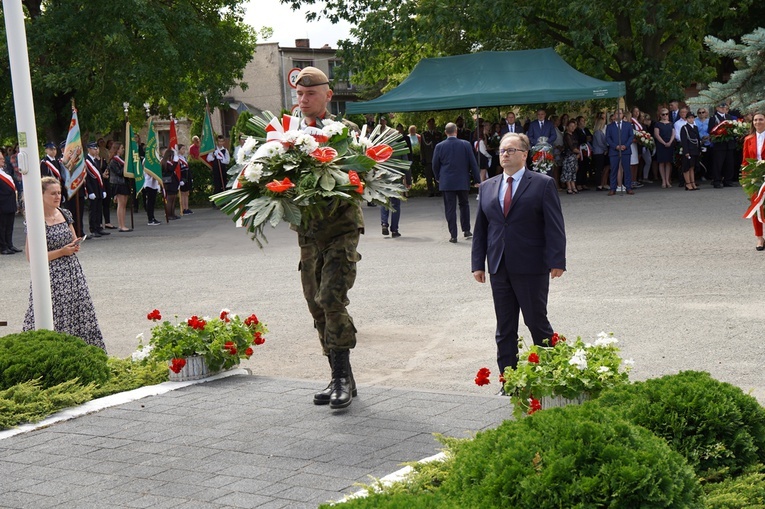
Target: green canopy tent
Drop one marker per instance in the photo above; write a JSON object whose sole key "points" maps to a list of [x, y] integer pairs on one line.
{"points": [[490, 78]]}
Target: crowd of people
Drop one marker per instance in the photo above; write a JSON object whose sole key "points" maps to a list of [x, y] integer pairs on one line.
{"points": [[674, 147]]}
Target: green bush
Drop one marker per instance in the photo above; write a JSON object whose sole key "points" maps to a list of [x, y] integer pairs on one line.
{"points": [[29, 402], [126, 375], [572, 457], [51, 357], [746, 491], [201, 184], [427, 500], [714, 425]]}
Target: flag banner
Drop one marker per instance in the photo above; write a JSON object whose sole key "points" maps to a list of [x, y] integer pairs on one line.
{"points": [[173, 135], [73, 157], [208, 139], [151, 163], [133, 168]]}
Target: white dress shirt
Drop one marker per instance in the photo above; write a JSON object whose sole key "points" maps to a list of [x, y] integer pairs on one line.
{"points": [[517, 176]]}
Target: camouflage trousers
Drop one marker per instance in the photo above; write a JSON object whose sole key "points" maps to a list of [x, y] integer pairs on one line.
{"points": [[328, 271]]}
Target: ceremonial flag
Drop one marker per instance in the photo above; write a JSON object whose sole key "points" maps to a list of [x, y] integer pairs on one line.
{"points": [[152, 164], [133, 167], [173, 135], [74, 159], [208, 139]]}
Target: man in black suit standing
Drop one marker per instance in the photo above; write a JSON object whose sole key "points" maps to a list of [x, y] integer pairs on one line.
{"points": [[723, 152], [519, 230], [513, 125], [453, 165]]}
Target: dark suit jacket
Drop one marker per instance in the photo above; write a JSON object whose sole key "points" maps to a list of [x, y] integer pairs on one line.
{"points": [[535, 132], [518, 128], [615, 137], [7, 196], [531, 239], [453, 164]]}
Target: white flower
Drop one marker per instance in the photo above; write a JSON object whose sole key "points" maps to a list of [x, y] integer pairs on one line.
{"points": [[604, 369], [629, 362], [361, 142], [269, 149], [579, 359], [139, 337], [253, 172], [141, 354], [306, 143], [605, 339], [331, 128], [247, 150]]}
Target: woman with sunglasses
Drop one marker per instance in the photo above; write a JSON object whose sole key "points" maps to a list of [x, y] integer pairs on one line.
{"points": [[664, 133]]}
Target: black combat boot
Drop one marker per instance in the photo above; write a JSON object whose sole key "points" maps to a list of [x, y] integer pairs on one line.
{"points": [[341, 395], [322, 397]]}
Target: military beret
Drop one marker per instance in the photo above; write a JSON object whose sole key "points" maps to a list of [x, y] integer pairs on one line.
{"points": [[312, 77], [50, 144]]}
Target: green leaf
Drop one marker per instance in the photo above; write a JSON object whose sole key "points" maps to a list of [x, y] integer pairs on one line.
{"points": [[327, 182]]}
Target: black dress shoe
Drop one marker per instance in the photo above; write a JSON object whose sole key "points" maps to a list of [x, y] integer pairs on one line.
{"points": [[718, 185], [95, 235], [468, 235], [385, 230], [7, 251], [15, 249], [453, 240], [395, 235], [103, 232], [111, 227]]}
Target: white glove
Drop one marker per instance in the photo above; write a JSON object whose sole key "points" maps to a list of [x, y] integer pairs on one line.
{"points": [[91, 196], [103, 194], [182, 183]]}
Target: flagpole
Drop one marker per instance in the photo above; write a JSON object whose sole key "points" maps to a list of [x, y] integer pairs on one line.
{"points": [[126, 105], [28, 153]]}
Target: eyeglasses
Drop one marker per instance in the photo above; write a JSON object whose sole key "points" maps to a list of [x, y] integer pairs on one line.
{"points": [[664, 114], [701, 112], [503, 151]]}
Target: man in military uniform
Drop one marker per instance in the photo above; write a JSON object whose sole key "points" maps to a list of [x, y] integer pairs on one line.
{"points": [[328, 259], [94, 185], [52, 167]]}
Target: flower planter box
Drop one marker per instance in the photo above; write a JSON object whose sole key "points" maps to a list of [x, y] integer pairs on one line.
{"points": [[560, 401], [195, 369]]}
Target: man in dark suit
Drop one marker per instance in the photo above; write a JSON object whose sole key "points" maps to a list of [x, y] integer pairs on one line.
{"points": [[513, 125], [519, 231], [541, 127], [723, 152], [619, 136], [453, 165]]}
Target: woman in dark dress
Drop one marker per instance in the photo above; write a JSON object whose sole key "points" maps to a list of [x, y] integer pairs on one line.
{"points": [[73, 311], [570, 156], [664, 133], [171, 182], [691, 143]]}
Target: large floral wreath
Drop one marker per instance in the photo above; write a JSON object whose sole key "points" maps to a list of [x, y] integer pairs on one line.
{"points": [[729, 130], [284, 173], [753, 183]]}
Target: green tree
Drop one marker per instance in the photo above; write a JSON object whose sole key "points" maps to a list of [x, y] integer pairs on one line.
{"points": [[655, 46], [744, 87], [167, 53]]}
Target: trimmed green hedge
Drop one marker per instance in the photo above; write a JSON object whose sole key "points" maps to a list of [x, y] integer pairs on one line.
{"points": [[52, 357], [714, 425]]}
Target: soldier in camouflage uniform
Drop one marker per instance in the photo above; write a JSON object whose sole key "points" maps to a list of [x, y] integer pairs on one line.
{"points": [[328, 259]]}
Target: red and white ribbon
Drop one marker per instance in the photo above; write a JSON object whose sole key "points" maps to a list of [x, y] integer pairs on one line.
{"points": [[756, 207], [53, 169], [7, 179], [275, 130]]}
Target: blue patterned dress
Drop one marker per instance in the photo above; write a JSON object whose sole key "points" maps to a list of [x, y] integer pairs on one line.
{"points": [[73, 311]]}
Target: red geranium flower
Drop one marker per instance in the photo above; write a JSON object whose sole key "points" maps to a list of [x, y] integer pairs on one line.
{"points": [[280, 187], [224, 313], [176, 365], [380, 153], [249, 351], [534, 405], [555, 338], [154, 315], [251, 320], [482, 377], [258, 340], [534, 358], [196, 323], [324, 154]]}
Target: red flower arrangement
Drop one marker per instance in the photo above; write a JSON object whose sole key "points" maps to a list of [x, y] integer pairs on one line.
{"points": [[482, 377], [222, 341]]}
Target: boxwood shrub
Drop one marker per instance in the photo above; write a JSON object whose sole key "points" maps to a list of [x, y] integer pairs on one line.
{"points": [[52, 357], [714, 425]]}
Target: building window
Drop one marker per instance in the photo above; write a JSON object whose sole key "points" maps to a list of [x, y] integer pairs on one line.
{"points": [[302, 64], [332, 65]]}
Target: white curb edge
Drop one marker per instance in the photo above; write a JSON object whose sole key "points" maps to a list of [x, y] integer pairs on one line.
{"points": [[120, 398], [397, 476]]}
